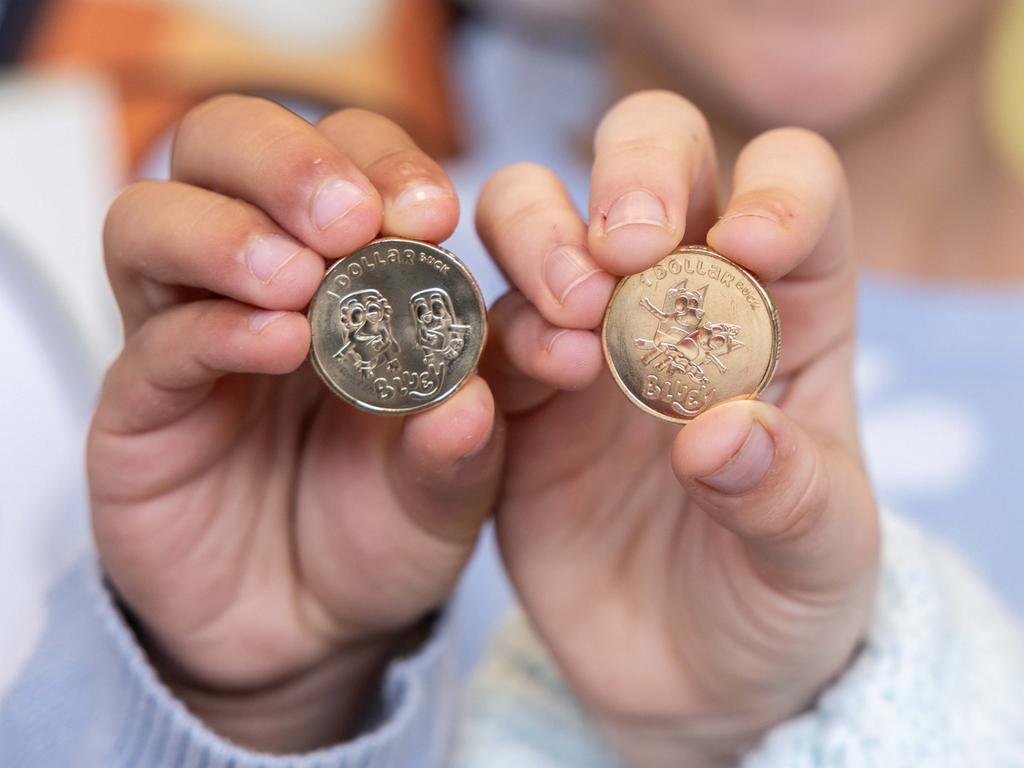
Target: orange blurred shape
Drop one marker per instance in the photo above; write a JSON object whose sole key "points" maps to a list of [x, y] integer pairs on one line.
{"points": [[163, 59]]}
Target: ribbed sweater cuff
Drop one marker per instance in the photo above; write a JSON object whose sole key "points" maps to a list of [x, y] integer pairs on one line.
{"points": [[411, 729]]}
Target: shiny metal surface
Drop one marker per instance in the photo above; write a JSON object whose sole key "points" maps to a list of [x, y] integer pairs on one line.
{"points": [[398, 326], [692, 331]]}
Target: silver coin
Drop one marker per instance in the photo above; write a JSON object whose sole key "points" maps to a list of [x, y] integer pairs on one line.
{"points": [[398, 326]]}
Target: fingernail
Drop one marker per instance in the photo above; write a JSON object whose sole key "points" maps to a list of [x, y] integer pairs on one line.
{"points": [[637, 207], [261, 318], [551, 336], [566, 267], [267, 254], [417, 194], [334, 200], [747, 467], [752, 213]]}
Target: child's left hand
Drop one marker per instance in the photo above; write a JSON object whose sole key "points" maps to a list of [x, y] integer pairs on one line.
{"points": [[696, 586]]}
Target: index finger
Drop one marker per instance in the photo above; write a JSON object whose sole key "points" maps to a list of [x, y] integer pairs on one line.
{"points": [[253, 149], [653, 183]]}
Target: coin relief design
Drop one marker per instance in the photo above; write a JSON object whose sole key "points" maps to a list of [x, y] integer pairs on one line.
{"points": [[398, 326], [691, 331]]}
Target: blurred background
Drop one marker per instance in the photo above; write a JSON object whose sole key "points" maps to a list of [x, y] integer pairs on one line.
{"points": [[90, 92]]}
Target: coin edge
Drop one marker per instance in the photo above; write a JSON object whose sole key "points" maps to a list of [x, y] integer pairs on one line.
{"points": [[773, 363], [433, 403]]}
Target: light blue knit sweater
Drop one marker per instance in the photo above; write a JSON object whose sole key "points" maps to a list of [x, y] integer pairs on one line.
{"points": [[938, 683]]}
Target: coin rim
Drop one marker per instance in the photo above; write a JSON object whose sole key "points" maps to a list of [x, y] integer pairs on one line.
{"points": [[432, 403], [773, 362]]}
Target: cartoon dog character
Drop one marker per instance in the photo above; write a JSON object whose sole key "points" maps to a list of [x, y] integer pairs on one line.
{"points": [[368, 340], [683, 342], [438, 333]]}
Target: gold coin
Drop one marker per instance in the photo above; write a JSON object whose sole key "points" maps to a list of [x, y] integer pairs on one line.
{"points": [[692, 331], [397, 326]]}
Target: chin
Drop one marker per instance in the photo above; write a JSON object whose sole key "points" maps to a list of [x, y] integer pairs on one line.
{"points": [[827, 96], [827, 65]]}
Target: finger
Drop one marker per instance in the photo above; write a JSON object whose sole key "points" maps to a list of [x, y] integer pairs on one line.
{"points": [[226, 246], [438, 471], [788, 221], [448, 461], [419, 199], [653, 183], [802, 508], [170, 365], [529, 360], [789, 213], [254, 149], [528, 223]]}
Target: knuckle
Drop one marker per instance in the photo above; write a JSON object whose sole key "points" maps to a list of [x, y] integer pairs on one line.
{"points": [[520, 174], [505, 313], [124, 209], [500, 193], [281, 152], [807, 498], [680, 108], [804, 143], [646, 112], [225, 102], [355, 118], [227, 225], [203, 322], [650, 151], [528, 213], [804, 137], [199, 117], [402, 164], [147, 335], [659, 99], [292, 165]]}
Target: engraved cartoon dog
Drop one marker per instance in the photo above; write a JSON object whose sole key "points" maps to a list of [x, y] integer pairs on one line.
{"points": [[438, 332], [682, 342], [367, 338]]}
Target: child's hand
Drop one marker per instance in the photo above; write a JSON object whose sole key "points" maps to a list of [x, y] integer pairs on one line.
{"points": [[699, 585], [276, 545]]}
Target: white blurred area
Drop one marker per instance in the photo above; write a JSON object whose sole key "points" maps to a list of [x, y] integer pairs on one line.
{"points": [[57, 177], [313, 25], [57, 330]]}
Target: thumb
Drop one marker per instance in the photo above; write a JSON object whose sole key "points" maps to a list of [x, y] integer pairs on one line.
{"points": [[446, 464], [801, 505]]}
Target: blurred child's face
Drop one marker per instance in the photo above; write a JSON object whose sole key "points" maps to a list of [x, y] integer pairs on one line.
{"points": [[824, 64]]}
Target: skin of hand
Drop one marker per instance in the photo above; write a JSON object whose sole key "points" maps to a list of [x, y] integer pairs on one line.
{"points": [[274, 546], [696, 586]]}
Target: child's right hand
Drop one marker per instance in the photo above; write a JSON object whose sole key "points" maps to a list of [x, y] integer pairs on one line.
{"points": [[275, 544]]}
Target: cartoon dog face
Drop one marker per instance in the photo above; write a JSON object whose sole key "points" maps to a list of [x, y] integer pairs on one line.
{"points": [[721, 338], [685, 305]]}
